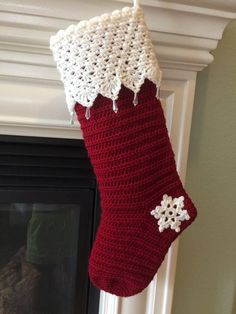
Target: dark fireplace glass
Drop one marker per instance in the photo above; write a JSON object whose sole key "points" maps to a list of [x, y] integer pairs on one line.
{"points": [[38, 257], [49, 214]]}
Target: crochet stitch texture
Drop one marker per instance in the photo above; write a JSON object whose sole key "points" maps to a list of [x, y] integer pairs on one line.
{"points": [[134, 165], [98, 56]]}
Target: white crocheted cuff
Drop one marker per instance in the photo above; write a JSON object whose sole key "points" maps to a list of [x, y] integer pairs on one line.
{"points": [[99, 55]]}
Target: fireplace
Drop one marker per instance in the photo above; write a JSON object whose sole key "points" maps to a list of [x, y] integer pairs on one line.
{"points": [[49, 213]]}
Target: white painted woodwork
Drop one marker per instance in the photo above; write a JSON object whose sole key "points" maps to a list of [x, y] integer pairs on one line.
{"points": [[32, 99], [228, 5]]}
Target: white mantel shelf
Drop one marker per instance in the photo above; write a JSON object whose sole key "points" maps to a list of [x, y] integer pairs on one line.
{"points": [[32, 101], [184, 36]]}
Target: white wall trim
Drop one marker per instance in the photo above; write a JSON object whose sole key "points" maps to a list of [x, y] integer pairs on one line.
{"points": [[108, 303]]}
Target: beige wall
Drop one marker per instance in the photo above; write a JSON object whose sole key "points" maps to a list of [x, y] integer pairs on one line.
{"points": [[206, 269]]}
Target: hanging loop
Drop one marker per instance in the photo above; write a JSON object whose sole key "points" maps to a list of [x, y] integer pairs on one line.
{"points": [[136, 3]]}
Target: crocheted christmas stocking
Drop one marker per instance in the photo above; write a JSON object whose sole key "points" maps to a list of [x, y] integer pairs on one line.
{"points": [[109, 63]]}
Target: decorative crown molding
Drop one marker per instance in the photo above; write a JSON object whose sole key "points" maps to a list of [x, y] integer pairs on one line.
{"points": [[183, 35], [221, 5]]}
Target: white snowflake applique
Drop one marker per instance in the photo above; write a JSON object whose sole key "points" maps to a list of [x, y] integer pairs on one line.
{"points": [[170, 213]]}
